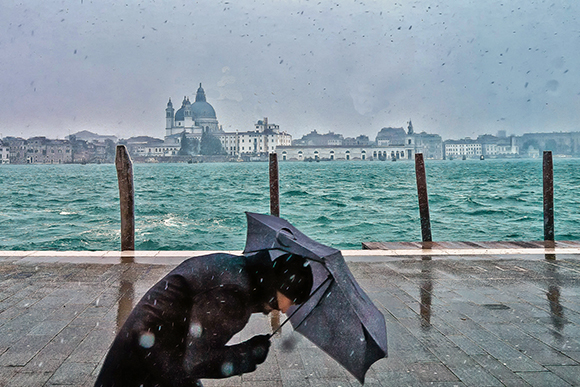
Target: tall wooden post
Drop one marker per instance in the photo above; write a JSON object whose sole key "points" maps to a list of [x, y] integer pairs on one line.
{"points": [[548, 174], [275, 211], [423, 199], [274, 186], [126, 197]]}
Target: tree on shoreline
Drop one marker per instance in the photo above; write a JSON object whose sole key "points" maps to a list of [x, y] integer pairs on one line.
{"points": [[210, 145], [189, 146]]}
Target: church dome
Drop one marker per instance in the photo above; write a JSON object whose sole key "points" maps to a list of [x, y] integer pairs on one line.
{"points": [[180, 113], [200, 108]]}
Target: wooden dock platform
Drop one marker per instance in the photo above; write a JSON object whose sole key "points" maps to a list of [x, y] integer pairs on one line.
{"points": [[469, 245]]}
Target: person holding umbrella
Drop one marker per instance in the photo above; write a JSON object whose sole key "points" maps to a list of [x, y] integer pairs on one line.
{"points": [[177, 333]]}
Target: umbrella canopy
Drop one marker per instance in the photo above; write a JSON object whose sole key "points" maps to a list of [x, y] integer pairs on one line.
{"points": [[338, 317]]}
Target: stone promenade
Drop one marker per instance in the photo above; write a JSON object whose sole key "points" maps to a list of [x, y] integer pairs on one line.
{"points": [[503, 317]]}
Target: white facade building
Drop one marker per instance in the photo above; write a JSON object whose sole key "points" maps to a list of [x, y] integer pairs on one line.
{"points": [[161, 150], [463, 148], [265, 139], [4, 154], [345, 152]]}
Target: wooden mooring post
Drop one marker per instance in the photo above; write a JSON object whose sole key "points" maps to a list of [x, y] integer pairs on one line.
{"points": [[274, 211], [423, 200], [126, 197], [548, 175], [274, 186]]}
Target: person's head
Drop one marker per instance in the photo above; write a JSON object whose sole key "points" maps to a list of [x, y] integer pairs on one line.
{"points": [[292, 280]]}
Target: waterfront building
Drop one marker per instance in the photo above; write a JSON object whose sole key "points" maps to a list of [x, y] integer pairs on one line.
{"points": [[498, 146], [393, 136], [484, 146], [465, 148], [4, 153], [89, 137], [344, 152], [360, 140], [315, 138], [560, 143], [430, 145], [145, 146], [39, 150], [264, 139]]}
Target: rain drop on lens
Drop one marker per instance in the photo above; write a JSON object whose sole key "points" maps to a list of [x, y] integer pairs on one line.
{"points": [[195, 330], [227, 369], [146, 340]]}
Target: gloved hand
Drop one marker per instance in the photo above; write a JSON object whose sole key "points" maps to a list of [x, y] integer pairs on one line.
{"points": [[259, 346]]}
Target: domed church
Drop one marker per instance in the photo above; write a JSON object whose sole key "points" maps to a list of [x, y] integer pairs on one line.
{"points": [[194, 118]]}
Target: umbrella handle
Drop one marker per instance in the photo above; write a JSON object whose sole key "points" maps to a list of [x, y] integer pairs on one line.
{"points": [[301, 305]]}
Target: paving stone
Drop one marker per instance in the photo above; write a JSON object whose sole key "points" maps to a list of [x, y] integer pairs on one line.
{"points": [[234, 381], [6, 374], [432, 372], [93, 346], [28, 379], [23, 350], [71, 373], [543, 379], [570, 374], [466, 344], [57, 350]]}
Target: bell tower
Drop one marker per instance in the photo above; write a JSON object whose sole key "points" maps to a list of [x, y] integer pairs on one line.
{"points": [[169, 118]]}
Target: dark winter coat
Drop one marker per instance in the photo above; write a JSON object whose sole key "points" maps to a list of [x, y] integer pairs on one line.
{"points": [[178, 331]]}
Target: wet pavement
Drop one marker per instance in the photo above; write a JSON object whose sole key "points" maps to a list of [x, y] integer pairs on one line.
{"points": [[481, 318]]}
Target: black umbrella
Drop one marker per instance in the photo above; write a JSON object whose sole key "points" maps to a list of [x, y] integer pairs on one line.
{"points": [[338, 317]]}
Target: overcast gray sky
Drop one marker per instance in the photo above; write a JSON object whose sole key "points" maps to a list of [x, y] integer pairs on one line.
{"points": [[456, 67]]}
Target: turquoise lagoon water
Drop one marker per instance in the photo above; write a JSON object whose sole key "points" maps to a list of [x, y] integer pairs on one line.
{"points": [[201, 206]]}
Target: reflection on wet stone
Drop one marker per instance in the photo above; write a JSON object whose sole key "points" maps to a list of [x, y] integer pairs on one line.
{"points": [[126, 294], [553, 296], [425, 292], [556, 309]]}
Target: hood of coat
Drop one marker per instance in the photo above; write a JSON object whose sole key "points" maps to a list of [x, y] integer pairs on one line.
{"points": [[261, 275]]}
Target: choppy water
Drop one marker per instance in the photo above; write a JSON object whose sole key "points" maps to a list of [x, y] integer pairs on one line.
{"points": [[201, 206]]}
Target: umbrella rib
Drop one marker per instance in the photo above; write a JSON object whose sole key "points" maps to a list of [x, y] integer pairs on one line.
{"points": [[301, 305]]}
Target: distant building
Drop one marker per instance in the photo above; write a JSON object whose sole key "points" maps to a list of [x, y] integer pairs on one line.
{"points": [[4, 153], [393, 136], [87, 136], [344, 152], [560, 143], [315, 138], [498, 146], [430, 145], [465, 148], [484, 146], [265, 139], [193, 118], [145, 146], [39, 150], [360, 140]]}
